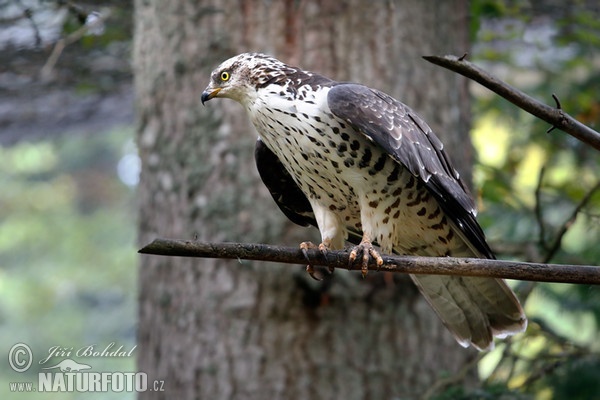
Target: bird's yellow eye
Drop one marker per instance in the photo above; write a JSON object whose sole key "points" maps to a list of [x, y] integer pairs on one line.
{"points": [[225, 76]]}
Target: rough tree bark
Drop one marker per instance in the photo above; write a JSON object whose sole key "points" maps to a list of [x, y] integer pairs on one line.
{"points": [[258, 331]]}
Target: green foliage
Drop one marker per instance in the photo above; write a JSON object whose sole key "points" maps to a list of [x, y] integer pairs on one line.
{"points": [[67, 254], [576, 379], [540, 190]]}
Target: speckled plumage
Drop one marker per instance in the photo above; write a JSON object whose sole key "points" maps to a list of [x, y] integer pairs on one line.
{"points": [[358, 163]]}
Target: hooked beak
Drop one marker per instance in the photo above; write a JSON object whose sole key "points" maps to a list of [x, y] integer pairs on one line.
{"points": [[209, 94]]}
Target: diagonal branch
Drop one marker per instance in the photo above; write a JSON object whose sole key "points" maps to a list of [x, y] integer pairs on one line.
{"points": [[73, 37], [539, 214], [553, 115], [553, 249], [403, 264]]}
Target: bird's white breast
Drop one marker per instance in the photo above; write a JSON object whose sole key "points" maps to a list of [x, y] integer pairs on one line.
{"points": [[326, 157]]}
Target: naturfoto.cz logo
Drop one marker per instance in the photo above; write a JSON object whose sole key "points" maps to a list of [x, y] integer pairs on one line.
{"points": [[69, 375]]}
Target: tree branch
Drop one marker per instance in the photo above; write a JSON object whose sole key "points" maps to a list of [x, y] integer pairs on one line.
{"points": [[96, 23], [403, 264], [553, 249], [553, 115]]}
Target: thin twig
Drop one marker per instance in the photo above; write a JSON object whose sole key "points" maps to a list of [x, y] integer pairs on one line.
{"points": [[554, 116], [553, 249], [28, 13], [403, 264], [538, 209], [558, 107], [46, 71]]}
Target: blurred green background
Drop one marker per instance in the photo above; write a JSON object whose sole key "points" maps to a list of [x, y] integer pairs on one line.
{"points": [[69, 167]]}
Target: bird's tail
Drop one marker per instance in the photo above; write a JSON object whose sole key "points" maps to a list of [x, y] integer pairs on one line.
{"points": [[474, 309]]}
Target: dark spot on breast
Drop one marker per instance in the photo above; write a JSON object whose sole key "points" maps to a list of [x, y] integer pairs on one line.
{"points": [[421, 197], [439, 225], [366, 158], [435, 214], [345, 136], [422, 211], [393, 176], [355, 145], [427, 196], [348, 162], [305, 156], [336, 130], [393, 205], [380, 162], [373, 203]]}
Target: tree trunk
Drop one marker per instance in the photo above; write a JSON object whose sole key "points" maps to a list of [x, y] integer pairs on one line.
{"points": [[214, 329]]}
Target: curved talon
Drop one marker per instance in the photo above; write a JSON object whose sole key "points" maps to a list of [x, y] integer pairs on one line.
{"points": [[323, 248], [311, 272], [366, 248], [304, 247]]}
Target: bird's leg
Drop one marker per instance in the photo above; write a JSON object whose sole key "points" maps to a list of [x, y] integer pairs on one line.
{"points": [[323, 247], [331, 229], [368, 250]]}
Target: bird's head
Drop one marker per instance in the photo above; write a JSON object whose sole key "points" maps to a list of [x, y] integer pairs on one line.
{"points": [[239, 77]]}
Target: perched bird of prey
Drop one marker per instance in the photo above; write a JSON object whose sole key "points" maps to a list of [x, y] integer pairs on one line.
{"points": [[361, 165]]}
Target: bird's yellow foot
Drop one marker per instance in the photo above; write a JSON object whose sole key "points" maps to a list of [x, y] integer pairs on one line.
{"points": [[323, 247], [367, 250]]}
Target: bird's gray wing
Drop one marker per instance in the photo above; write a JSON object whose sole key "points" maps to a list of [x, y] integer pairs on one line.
{"points": [[410, 141], [286, 193], [474, 309]]}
